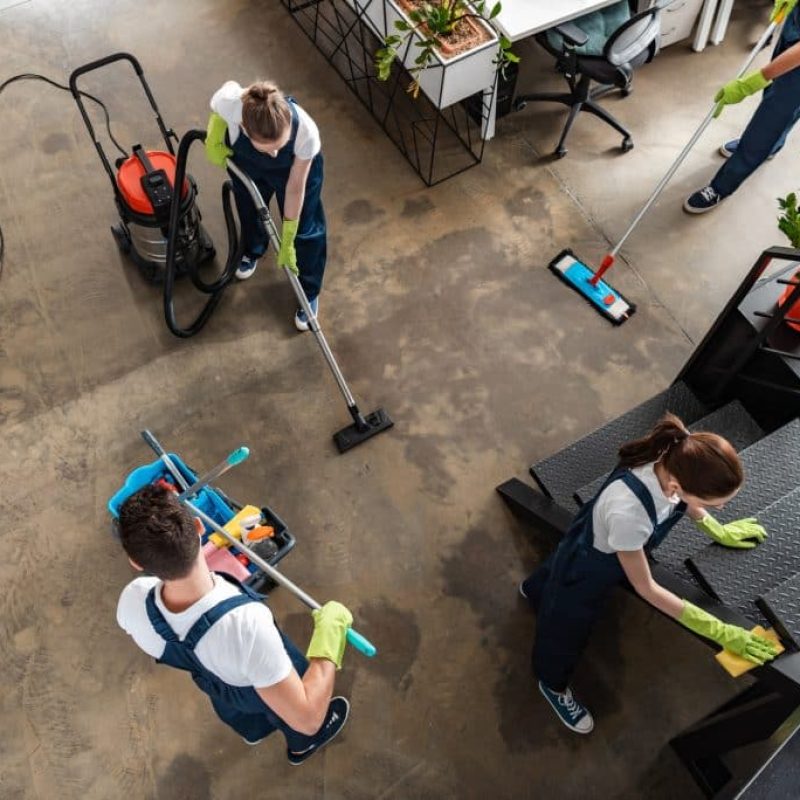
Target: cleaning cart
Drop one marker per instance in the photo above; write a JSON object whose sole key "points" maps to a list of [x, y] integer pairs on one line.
{"points": [[242, 541], [212, 501]]}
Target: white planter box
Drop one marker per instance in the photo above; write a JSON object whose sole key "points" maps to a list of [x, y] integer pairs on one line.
{"points": [[372, 12], [446, 80]]}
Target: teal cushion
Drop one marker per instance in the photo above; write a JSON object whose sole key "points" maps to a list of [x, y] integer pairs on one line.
{"points": [[598, 26]]}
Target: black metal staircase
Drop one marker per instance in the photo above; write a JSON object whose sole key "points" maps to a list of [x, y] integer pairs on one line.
{"points": [[743, 382]]}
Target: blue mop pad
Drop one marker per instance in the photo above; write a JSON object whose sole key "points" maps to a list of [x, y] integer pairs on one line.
{"points": [[603, 298]]}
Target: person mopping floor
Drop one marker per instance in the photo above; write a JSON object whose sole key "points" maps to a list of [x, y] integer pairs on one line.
{"points": [[772, 121], [659, 478], [278, 145], [221, 632]]}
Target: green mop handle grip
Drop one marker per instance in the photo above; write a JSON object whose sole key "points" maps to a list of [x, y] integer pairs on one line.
{"points": [[361, 643]]}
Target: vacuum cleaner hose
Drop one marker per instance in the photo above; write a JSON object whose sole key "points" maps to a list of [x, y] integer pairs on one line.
{"points": [[215, 288]]}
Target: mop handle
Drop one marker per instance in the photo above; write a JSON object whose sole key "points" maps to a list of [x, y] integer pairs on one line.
{"points": [[679, 160], [167, 461], [358, 641], [236, 457], [275, 241]]}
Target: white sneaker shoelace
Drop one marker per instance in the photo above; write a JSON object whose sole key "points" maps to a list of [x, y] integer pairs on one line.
{"points": [[708, 194], [568, 701]]}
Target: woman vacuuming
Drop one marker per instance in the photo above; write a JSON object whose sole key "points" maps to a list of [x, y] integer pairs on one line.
{"points": [[659, 478], [277, 144]]}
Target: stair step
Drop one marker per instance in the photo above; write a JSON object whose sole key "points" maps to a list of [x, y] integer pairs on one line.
{"points": [[739, 577], [771, 468], [562, 473], [731, 421], [781, 606]]}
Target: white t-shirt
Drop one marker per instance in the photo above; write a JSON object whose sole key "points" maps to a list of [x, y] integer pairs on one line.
{"points": [[242, 648], [227, 102], [620, 520]]}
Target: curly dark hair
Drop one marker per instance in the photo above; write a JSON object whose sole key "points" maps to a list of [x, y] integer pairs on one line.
{"points": [[158, 533]]}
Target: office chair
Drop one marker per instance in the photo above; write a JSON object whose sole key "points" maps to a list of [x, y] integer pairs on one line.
{"points": [[632, 44]]}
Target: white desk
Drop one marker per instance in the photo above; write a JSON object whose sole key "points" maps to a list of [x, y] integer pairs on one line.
{"points": [[519, 19]]}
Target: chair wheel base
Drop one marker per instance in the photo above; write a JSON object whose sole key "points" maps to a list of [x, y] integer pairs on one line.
{"points": [[561, 152], [519, 105], [627, 144]]}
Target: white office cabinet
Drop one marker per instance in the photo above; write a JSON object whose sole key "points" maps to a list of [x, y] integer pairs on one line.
{"points": [[678, 20]]}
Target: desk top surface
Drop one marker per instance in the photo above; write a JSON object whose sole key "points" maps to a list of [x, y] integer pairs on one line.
{"points": [[522, 18]]}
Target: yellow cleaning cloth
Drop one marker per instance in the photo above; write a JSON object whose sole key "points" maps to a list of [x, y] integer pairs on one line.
{"points": [[232, 526], [736, 665]]}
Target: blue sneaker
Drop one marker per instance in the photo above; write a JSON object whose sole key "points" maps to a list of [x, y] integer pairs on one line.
{"points": [[703, 200], [300, 318], [338, 711], [569, 710], [522, 589], [246, 268], [729, 148]]}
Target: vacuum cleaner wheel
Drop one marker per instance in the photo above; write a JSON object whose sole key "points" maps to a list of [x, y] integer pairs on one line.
{"points": [[122, 237]]}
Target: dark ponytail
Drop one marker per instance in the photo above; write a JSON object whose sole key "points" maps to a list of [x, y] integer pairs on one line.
{"points": [[704, 464]]}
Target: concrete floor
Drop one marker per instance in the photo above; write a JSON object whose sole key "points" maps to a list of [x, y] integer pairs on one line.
{"points": [[440, 308]]}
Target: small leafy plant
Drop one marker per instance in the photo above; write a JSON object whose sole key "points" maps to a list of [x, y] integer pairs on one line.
{"points": [[435, 21], [789, 221]]}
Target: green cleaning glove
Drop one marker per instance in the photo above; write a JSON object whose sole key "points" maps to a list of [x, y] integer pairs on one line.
{"points": [[736, 90], [731, 637], [743, 534], [782, 10], [287, 256], [330, 632], [217, 152]]}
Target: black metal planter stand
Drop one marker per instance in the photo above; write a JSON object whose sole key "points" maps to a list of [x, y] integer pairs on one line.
{"points": [[438, 143]]}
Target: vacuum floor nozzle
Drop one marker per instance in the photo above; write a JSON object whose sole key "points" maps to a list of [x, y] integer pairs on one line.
{"points": [[353, 435]]}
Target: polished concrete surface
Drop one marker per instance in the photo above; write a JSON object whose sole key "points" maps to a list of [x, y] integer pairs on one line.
{"points": [[439, 305]]}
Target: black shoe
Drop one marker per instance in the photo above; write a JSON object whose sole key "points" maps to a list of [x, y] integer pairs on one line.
{"points": [[338, 711], [703, 200]]}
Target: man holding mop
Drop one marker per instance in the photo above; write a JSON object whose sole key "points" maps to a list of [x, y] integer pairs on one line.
{"points": [[772, 121], [218, 630]]}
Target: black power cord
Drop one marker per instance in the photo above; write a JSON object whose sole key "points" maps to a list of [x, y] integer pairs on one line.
{"points": [[32, 76]]}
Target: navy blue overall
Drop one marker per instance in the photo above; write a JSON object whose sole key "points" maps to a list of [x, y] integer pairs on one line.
{"points": [[271, 176], [570, 588], [239, 706], [770, 124]]}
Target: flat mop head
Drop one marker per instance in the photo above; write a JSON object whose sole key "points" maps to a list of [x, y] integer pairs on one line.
{"points": [[603, 298], [362, 429]]}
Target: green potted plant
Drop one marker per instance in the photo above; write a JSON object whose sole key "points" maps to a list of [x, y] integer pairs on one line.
{"points": [[789, 224], [455, 36]]}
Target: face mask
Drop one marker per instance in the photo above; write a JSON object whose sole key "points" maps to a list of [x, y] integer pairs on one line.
{"points": [[674, 498]]}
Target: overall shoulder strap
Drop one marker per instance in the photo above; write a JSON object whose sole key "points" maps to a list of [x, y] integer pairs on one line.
{"points": [[202, 626], [642, 494], [161, 626], [295, 117]]}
